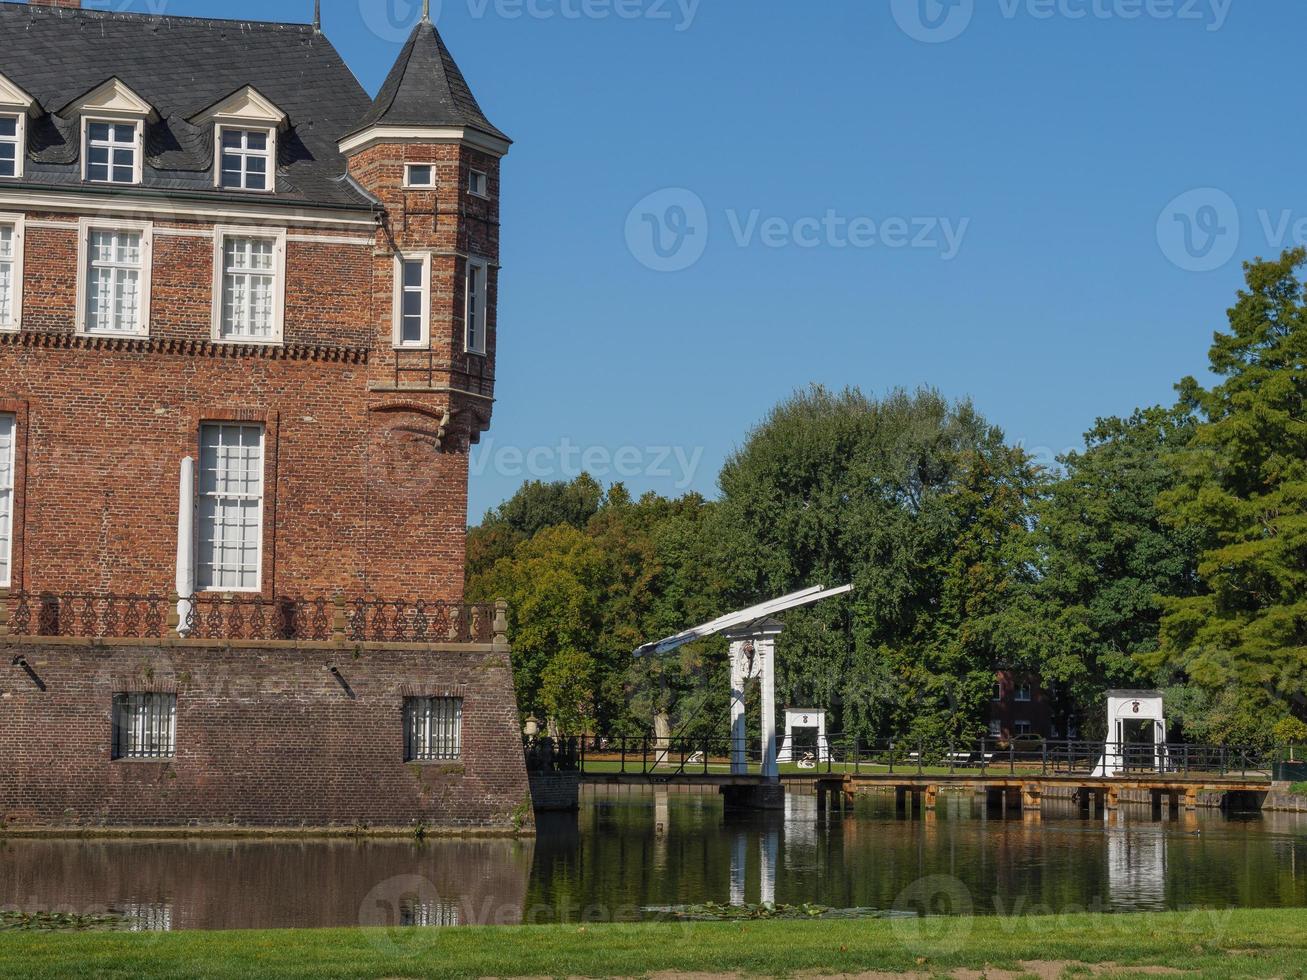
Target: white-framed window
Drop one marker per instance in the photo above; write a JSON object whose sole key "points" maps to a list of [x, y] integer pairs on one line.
{"points": [[246, 159], [111, 151], [413, 301], [476, 287], [144, 726], [433, 729], [12, 130], [229, 518], [1021, 728], [995, 728], [8, 436], [478, 183], [997, 694], [11, 271], [420, 175], [114, 288], [249, 285], [1025, 692]]}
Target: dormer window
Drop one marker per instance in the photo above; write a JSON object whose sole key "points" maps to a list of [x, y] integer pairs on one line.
{"points": [[113, 132], [246, 159], [245, 128], [113, 152], [15, 106], [421, 175], [11, 145]]}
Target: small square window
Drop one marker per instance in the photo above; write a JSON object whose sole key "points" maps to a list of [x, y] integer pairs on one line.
{"points": [[1025, 692], [995, 728], [420, 175], [144, 726], [1022, 728], [433, 729], [478, 183]]}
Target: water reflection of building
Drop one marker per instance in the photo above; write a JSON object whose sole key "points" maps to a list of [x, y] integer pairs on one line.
{"points": [[266, 884], [1136, 868], [769, 851], [418, 913]]}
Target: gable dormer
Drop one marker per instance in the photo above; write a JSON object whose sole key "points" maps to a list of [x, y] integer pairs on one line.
{"points": [[113, 121], [15, 107], [245, 125]]}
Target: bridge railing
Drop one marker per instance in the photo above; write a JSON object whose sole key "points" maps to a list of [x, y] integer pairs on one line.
{"points": [[680, 756]]}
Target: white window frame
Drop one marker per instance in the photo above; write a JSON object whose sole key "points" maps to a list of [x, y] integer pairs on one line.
{"points": [[20, 143], [220, 235], [1022, 727], [138, 153], [398, 304], [472, 176], [995, 728], [8, 493], [1025, 692], [11, 320], [200, 529], [150, 716], [84, 228], [270, 155], [420, 734], [482, 301], [411, 184]]}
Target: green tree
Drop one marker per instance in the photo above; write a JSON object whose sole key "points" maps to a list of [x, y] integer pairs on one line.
{"points": [[533, 508], [1107, 560], [1243, 491]]}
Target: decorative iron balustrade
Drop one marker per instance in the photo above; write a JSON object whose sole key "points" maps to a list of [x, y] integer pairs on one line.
{"points": [[225, 616]]}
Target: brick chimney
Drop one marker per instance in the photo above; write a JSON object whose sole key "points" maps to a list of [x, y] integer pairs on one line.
{"points": [[71, 4]]}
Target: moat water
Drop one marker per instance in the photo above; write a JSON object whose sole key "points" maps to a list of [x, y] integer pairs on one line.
{"points": [[627, 856]]}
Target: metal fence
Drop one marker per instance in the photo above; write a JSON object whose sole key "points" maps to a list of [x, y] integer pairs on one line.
{"points": [[650, 755], [216, 616]]}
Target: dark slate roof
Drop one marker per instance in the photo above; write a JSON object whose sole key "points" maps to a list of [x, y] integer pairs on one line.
{"points": [[182, 65], [426, 88]]}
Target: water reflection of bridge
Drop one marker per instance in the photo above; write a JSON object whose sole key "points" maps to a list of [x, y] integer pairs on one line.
{"points": [[1010, 792]]}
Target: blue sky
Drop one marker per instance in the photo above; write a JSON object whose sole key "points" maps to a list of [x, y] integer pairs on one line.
{"points": [[1041, 204]]}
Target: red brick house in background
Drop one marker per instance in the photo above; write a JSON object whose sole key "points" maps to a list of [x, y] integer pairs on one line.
{"points": [[215, 247], [1020, 706]]}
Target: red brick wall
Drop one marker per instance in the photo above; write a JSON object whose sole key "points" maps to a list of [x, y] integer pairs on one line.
{"points": [[366, 471], [265, 737]]}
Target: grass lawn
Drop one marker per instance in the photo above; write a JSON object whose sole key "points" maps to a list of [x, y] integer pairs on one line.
{"points": [[1207, 944]]}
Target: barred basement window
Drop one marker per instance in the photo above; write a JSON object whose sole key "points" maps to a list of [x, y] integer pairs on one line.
{"points": [[7, 425], [433, 729], [144, 726]]}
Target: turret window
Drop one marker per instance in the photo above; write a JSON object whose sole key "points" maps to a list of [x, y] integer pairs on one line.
{"points": [[419, 175], [478, 183], [475, 312], [413, 301], [245, 162], [113, 153]]}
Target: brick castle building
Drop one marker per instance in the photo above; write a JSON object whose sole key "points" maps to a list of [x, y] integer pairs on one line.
{"points": [[247, 337]]}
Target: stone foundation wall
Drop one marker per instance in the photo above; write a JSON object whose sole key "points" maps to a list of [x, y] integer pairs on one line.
{"points": [[266, 736]]}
